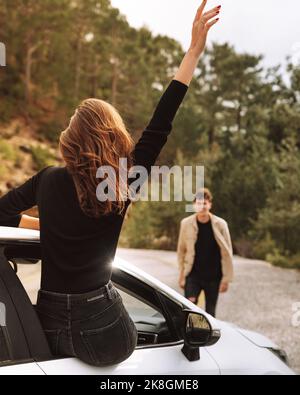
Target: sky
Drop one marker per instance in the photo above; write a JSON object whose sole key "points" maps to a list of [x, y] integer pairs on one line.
{"points": [[267, 27]]}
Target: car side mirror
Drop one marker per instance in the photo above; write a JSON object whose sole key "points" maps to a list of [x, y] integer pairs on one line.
{"points": [[197, 333]]}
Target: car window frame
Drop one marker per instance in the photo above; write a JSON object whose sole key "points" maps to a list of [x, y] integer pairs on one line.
{"points": [[24, 343], [162, 305]]}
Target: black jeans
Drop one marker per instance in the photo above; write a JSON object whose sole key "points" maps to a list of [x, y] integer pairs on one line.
{"points": [[94, 327], [193, 288]]}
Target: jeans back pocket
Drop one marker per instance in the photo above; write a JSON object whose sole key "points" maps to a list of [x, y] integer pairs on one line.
{"points": [[109, 344]]}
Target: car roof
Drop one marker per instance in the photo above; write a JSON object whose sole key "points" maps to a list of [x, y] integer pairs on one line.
{"points": [[19, 234]]}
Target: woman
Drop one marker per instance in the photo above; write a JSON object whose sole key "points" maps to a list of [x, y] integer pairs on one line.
{"points": [[80, 310]]}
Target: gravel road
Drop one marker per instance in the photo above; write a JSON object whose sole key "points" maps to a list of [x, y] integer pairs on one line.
{"points": [[260, 299]]}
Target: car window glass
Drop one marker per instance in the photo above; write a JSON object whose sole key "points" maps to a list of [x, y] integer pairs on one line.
{"points": [[150, 323]]}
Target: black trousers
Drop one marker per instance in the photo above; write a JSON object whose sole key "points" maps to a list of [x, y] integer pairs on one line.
{"points": [[194, 286], [94, 327]]}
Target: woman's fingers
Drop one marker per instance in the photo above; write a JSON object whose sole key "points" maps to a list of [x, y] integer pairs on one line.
{"points": [[215, 9], [209, 15], [203, 22], [200, 10], [212, 10], [210, 24]]}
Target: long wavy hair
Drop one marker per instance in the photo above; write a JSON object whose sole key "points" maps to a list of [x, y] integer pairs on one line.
{"points": [[96, 136]]}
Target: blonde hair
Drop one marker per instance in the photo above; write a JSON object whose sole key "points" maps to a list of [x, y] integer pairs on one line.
{"points": [[96, 136]]}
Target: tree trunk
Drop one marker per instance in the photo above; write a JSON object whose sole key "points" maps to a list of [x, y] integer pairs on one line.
{"points": [[95, 76], [239, 119], [28, 72], [114, 84], [78, 66], [211, 136]]}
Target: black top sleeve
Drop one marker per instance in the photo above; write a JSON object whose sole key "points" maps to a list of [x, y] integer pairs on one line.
{"points": [[19, 199], [156, 133]]}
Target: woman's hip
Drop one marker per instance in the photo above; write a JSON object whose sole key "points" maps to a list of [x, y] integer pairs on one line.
{"points": [[95, 327]]}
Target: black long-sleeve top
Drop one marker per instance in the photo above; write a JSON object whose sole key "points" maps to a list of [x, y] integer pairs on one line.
{"points": [[77, 251]]}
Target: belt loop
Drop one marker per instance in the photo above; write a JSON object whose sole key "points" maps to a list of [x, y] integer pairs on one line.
{"points": [[108, 291]]}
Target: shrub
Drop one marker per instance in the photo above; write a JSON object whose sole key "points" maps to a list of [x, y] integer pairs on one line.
{"points": [[277, 258], [3, 171], [295, 261], [243, 247], [7, 151], [284, 260], [50, 130], [138, 229], [41, 157], [263, 247]]}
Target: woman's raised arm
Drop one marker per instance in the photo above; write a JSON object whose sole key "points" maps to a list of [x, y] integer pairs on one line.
{"points": [[155, 135]]}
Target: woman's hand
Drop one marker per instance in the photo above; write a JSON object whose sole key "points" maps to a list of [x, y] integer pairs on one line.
{"points": [[29, 222], [202, 23]]}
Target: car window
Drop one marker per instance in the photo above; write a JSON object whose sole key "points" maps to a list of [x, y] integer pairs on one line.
{"points": [[150, 323]]}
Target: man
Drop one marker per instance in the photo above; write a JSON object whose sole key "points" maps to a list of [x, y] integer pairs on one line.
{"points": [[204, 253]]}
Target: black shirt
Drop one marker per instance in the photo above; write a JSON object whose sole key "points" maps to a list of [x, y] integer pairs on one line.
{"points": [[207, 262], [77, 250]]}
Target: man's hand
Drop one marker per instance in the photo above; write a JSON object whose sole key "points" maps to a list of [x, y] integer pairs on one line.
{"points": [[181, 281], [224, 287]]}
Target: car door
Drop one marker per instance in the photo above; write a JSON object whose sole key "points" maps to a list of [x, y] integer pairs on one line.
{"points": [[159, 346], [22, 340]]}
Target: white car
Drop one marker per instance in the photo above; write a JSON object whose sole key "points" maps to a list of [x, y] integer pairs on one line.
{"points": [[175, 337]]}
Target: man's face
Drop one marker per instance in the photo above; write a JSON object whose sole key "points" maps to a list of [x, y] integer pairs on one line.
{"points": [[202, 206]]}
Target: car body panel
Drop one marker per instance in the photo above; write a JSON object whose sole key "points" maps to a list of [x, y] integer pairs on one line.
{"points": [[148, 361], [21, 369], [258, 339], [19, 234], [236, 355]]}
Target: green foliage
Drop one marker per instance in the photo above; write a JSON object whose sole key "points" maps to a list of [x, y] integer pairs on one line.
{"points": [[7, 151], [294, 261], [281, 215], [284, 260], [3, 171], [263, 247], [277, 258], [50, 131], [41, 157], [138, 228]]}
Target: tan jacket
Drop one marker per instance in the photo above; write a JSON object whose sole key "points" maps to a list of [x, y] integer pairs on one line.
{"points": [[186, 244]]}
